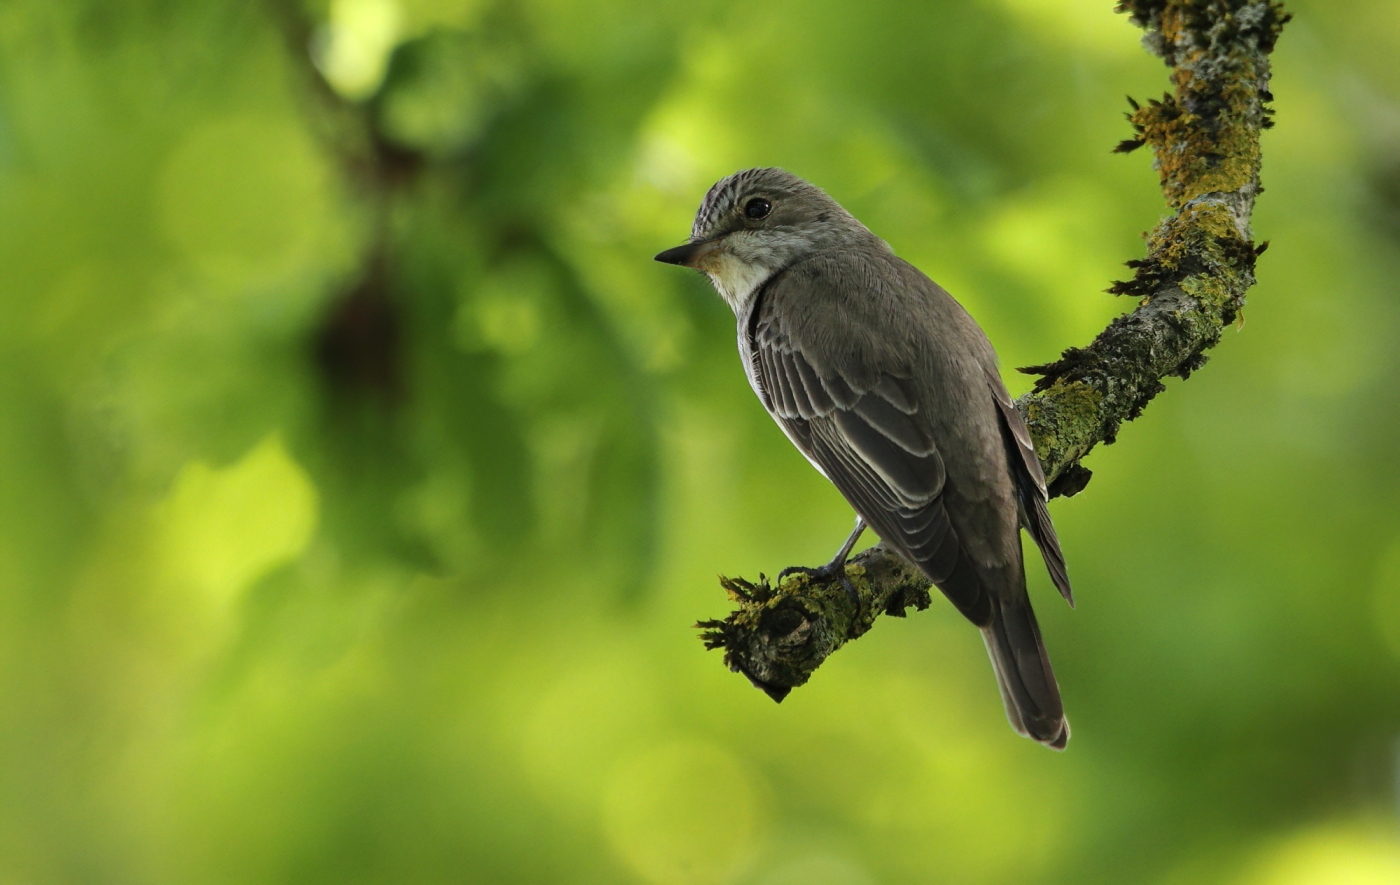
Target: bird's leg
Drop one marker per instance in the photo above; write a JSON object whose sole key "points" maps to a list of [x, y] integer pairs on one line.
{"points": [[839, 560], [837, 566]]}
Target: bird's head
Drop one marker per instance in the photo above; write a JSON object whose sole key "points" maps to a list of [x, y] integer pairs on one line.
{"points": [[757, 222]]}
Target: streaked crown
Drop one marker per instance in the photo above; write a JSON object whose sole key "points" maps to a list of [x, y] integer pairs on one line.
{"points": [[794, 202]]}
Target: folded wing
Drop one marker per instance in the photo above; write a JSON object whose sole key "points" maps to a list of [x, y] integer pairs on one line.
{"points": [[869, 440], [1030, 487]]}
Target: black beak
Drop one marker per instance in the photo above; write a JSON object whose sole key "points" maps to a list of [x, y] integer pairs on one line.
{"points": [[680, 255], [690, 254]]}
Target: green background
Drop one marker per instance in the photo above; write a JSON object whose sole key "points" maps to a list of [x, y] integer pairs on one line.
{"points": [[361, 476]]}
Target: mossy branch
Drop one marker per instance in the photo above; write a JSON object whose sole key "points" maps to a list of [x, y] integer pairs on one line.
{"points": [[1190, 286]]}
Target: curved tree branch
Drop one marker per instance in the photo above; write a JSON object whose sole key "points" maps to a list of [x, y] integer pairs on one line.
{"points": [[1190, 287]]}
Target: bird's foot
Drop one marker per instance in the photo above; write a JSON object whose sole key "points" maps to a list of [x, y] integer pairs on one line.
{"points": [[834, 569]]}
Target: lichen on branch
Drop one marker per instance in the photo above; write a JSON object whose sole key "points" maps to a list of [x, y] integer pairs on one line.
{"points": [[1190, 286]]}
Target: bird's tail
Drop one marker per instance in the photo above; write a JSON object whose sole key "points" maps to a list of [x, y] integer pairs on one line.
{"points": [[1027, 683]]}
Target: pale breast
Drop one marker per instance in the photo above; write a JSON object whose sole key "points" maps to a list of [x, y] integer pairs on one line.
{"points": [[746, 356]]}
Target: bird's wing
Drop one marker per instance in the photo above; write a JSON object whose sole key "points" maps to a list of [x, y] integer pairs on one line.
{"points": [[865, 435], [1030, 486]]}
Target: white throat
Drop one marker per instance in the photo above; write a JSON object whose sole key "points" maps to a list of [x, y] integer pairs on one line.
{"points": [[735, 279]]}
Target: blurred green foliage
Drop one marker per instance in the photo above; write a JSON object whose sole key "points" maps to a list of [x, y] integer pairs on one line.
{"points": [[360, 474]]}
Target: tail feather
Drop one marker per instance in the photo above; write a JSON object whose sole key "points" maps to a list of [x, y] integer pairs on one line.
{"points": [[1027, 683]]}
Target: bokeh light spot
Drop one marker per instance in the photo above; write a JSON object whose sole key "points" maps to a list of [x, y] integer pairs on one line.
{"points": [[1056, 238], [1330, 857], [243, 198], [353, 49], [222, 528], [594, 716], [504, 311], [685, 813], [1087, 24]]}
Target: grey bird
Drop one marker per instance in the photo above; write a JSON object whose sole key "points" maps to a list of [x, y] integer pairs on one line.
{"points": [[890, 389]]}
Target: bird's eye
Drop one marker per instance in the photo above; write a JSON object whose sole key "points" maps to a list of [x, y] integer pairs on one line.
{"points": [[757, 208]]}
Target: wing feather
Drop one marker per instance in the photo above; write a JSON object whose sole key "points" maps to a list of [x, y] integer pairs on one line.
{"points": [[916, 480], [783, 388], [842, 393], [817, 394], [800, 398], [1030, 487], [895, 424], [896, 393]]}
